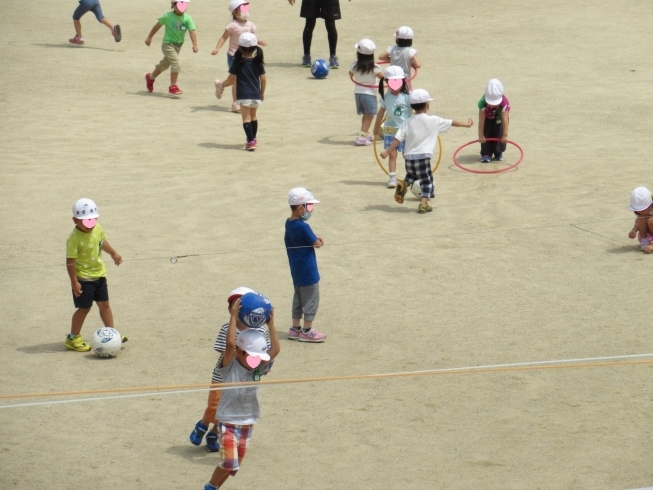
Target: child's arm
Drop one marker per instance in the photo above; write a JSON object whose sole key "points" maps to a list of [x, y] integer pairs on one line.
{"points": [[193, 37], [385, 56], [275, 347], [261, 42], [395, 143], [505, 122], [379, 120], [631, 234], [481, 126], [461, 124], [221, 42], [264, 81], [416, 63], [230, 351], [154, 30], [115, 256], [72, 273]]}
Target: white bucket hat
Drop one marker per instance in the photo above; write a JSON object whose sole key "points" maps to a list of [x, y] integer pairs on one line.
{"points": [[419, 96], [234, 4], [253, 342], [365, 46], [300, 195], [640, 199], [395, 72], [85, 209], [247, 40], [494, 92], [404, 32]]}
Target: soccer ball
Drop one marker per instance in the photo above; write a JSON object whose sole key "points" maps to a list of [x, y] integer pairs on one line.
{"points": [[106, 342], [416, 190], [320, 69], [255, 310]]}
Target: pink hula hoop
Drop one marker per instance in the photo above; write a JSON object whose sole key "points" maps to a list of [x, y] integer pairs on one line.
{"points": [[376, 86], [459, 165]]}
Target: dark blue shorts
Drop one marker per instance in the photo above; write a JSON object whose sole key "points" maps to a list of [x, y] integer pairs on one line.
{"points": [[92, 291], [88, 6]]}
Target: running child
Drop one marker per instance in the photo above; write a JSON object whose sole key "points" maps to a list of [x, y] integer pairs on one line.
{"points": [[239, 24], [91, 6], [87, 272], [246, 358], [420, 134], [248, 73], [403, 54], [493, 121], [176, 24], [642, 205], [367, 73], [395, 107], [209, 417], [301, 243]]}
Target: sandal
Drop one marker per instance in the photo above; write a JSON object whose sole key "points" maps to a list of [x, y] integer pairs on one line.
{"points": [[400, 191], [424, 208]]}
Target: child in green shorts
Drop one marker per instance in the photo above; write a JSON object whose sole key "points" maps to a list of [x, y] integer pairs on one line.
{"points": [[176, 23], [87, 271]]}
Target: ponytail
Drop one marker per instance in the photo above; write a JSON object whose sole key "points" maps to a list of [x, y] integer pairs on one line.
{"points": [[239, 55]]}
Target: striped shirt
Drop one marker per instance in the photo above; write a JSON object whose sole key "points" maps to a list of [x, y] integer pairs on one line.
{"points": [[220, 345]]}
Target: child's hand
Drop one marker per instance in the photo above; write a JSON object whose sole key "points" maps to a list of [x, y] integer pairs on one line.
{"points": [[117, 259], [77, 288], [648, 249], [384, 154], [482, 139], [235, 307], [215, 51], [271, 322], [321, 240], [195, 50], [148, 41], [504, 139], [632, 234], [262, 43], [470, 123], [291, 2]]}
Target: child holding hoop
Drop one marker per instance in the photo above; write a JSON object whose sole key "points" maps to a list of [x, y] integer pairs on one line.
{"points": [[403, 54], [248, 73], [421, 135], [493, 121], [642, 205], [395, 107], [366, 73], [239, 24]]}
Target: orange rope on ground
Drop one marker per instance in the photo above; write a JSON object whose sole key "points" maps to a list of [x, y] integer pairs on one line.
{"points": [[211, 386]]}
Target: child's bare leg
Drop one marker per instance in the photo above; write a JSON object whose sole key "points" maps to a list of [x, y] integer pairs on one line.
{"points": [[233, 92], [392, 161], [78, 320], [296, 322], [155, 74], [308, 324], [219, 477], [366, 123], [247, 113], [107, 23], [105, 313], [173, 78], [78, 27]]}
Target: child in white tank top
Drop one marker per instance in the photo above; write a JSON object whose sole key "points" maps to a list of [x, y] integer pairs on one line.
{"points": [[403, 55]]}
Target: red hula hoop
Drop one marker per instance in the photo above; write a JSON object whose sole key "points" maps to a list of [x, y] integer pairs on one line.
{"points": [[376, 86], [521, 157]]}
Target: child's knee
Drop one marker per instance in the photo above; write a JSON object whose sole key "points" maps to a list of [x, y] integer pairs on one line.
{"points": [[103, 305]]}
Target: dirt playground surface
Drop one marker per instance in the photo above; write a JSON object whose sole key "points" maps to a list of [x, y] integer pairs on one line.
{"points": [[529, 265]]}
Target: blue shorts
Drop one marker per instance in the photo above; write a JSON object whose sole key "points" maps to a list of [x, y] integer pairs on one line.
{"points": [[88, 6], [387, 141], [230, 61], [365, 104]]}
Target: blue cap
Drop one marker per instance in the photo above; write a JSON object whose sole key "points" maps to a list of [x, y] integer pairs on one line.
{"points": [[255, 310]]}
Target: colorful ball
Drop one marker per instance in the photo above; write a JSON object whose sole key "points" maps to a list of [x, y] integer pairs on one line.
{"points": [[255, 310], [320, 69]]}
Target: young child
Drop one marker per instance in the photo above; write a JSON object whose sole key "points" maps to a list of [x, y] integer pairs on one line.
{"points": [[246, 358], [301, 243], [248, 73], [176, 23], [365, 71], [87, 272], [642, 205], [403, 54], [493, 121], [91, 6], [329, 10], [420, 133], [396, 105], [239, 24], [220, 346]]}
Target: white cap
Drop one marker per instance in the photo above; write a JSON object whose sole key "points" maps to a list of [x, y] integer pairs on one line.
{"points": [[247, 40], [365, 46], [493, 92], [419, 96], [300, 195], [253, 342], [404, 32], [238, 292], [394, 72], [85, 209], [640, 199], [234, 4], [180, 1]]}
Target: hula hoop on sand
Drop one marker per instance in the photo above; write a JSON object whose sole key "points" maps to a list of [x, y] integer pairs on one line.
{"points": [[495, 171], [378, 160], [351, 77]]}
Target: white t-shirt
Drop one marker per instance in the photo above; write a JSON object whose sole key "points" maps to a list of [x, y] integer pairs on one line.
{"points": [[421, 133], [367, 79]]}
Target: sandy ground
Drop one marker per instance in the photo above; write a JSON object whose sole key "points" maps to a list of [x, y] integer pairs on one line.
{"points": [[496, 274]]}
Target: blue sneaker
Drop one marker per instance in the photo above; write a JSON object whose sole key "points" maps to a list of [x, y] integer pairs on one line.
{"points": [[306, 61], [499, 158], [198, 433], [208, 486], [212, 444], [333, 62], [485, 159]]}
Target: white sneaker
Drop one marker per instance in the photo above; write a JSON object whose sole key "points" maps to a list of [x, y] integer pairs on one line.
{"points": [[392, 182], [219, 89]]}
